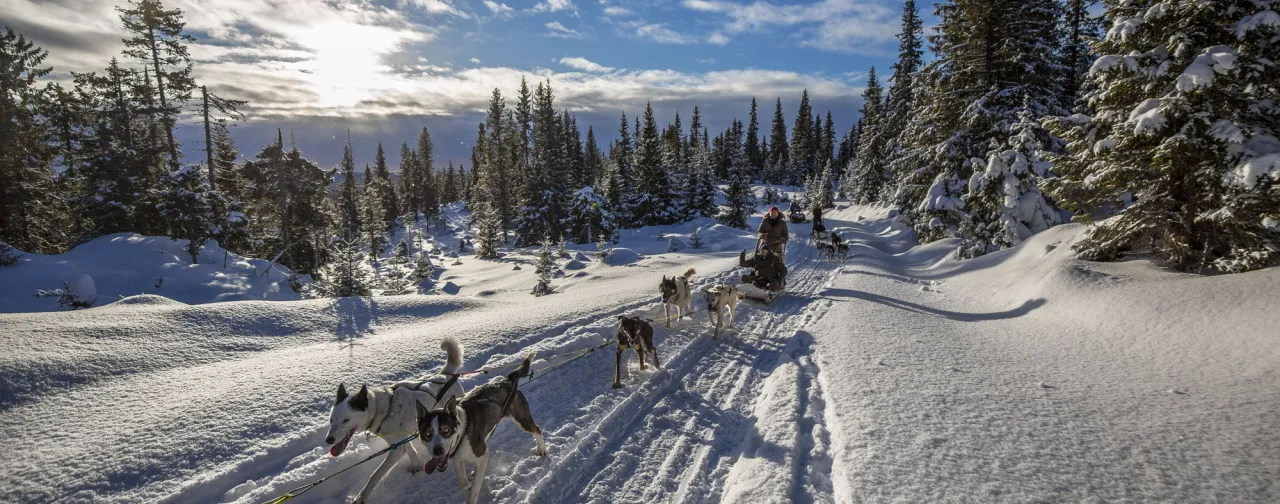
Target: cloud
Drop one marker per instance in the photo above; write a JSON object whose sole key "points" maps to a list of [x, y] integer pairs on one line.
{"points": [[707, 61], [617, 11], [846, 26], [475, 60], [554, 6], [436, 7], [585, 65], [558, 30], [717, 38], [659, 33], [498, 9]]}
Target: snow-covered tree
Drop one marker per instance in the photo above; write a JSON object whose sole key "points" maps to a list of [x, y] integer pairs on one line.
{"points": [[655, 202], [543, 267], [28, 199], [1183, 145], [695, 238], [349, 196], [780, 155], [373, 226], [1004, 202], [589, 216], [871, 174], [348, 274], [739, 198], [187, 210]]}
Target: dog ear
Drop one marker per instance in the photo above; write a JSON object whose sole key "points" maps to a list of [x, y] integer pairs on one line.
{"points": [[422, 410], [360, 401], [451, 404], [342, 393]]}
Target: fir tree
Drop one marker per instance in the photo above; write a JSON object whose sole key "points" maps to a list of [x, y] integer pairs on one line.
{"points": [[373, 226], [390, 203], [349, 197], [901, 99], [347, 275], [1004, 202], [543, 207], [738, 196], [802, 147], [754, 157], [779, 156], [543, 267], [1080, 30], [1182, 144], [593, 159], [872, 170], [589, 216], [408, 198], [156, 37], [28, 201], [424, 190], [622, 187], [187, 209], [654, 204]]}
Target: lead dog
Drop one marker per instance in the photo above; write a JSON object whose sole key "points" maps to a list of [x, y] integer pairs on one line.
{"points": [[462, 429], [388, 410], [675, 291], [635, 334], [720, 297]]}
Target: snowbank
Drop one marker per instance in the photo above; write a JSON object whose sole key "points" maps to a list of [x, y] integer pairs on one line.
{"points": [[129, 264]]}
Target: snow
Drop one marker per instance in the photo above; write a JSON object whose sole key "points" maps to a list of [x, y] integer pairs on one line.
{"points": [[1202, 70], [1255, 21], [129, 264], [1147, 116], [902, 375]]}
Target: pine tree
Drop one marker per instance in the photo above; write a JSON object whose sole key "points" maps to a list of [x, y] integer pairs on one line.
{"points": [[156, 37], [901, 99], [373, 226], [424, 192], [589, 216], [347, 275], [408, 199], [496, 159], [1080, 30], [593, 159], [576, 165], [754, 157], [187, 210], [1181, 146], [349, 197], [390, 203], [872, 170], [621, 189], [779, 156], [655, 204], [543, 266], [543, 207], [1004, 202], [802, 148], [738, 196], [827, 153], [28, 200]]}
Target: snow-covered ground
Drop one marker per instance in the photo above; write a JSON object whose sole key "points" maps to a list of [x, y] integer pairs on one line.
{"points": [[900, 375]]}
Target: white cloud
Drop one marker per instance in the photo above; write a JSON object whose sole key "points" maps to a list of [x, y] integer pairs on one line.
{"points": [[832, 25], [475, 60], [659, 33], [616, 11], [436, 7], [717, 38], [558, 30], [585, 65], [707, 61], [554, 6], [498, 9]]}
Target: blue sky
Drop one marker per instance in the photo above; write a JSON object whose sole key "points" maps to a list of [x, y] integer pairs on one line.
{"points": [[383, 69]]}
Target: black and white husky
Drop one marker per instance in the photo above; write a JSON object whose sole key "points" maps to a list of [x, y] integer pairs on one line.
{"points": [[388, 410], [675, 292], [719, 298], [461, 429]]}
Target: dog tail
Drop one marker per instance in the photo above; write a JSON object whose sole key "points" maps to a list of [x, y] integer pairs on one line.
{"points": [[523, 370], [689, 274], [452, 353]]}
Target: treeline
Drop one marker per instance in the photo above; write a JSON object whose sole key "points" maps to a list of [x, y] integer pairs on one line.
{"points": [[99, 157], [1157, 121]]}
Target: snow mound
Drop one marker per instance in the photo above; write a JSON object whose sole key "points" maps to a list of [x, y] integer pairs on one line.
{"points": [[622, 256], [579, 256], [574, 264], [128, 264], [146, 300]]}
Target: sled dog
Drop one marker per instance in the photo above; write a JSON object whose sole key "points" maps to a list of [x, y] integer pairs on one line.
{"points": [[388, 410], [675, 292], [719, 298], [634, 334], [461, 429]]}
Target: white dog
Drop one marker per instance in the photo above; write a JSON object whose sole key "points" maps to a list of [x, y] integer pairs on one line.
{"points": [[391, 411], [720, 297], [676, 292]]}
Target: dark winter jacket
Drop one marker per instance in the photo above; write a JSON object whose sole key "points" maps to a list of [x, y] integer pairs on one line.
{"points": [[817, 214], [766, 267], [774, 231]]}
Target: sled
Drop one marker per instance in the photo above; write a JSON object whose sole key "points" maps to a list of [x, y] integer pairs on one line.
{"points": [[750, 291], [798, 218]]}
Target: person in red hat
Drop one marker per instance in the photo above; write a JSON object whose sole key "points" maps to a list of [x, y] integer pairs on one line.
{"points": [[773, 232]]}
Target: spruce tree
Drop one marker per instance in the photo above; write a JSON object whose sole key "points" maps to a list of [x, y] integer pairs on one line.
{"points": [[188, 211], [593, 159], [738, 196], [28, 200], [754, 157], [1079, 31], [901, 99], [1004, 202], [543, 207], [621, 194], [407, 198], [802, 148], [589, 216], [349, 196], [1182, 143], [156, 38], [779, 156], [373, 224], [654, 204], [424, 193], [872, 170], [347, 275], [390, 203]]}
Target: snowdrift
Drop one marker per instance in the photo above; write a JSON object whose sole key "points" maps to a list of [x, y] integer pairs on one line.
{"points": [[128, 264]]}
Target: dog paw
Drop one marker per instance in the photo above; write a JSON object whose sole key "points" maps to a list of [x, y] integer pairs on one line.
{"points": [[414, 469], [541, 452]]}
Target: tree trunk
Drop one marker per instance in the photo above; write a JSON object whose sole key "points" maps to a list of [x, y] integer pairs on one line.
{"points": [[208, 142], [168, 121]]}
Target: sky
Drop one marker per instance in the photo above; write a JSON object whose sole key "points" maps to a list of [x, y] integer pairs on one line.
{"points": [[384, 69]]}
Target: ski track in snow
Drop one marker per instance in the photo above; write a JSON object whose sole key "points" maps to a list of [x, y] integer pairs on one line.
{"points": [[867, 382]]}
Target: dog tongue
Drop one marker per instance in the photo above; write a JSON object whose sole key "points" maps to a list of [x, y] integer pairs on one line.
{"points": [[436, 464]]}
